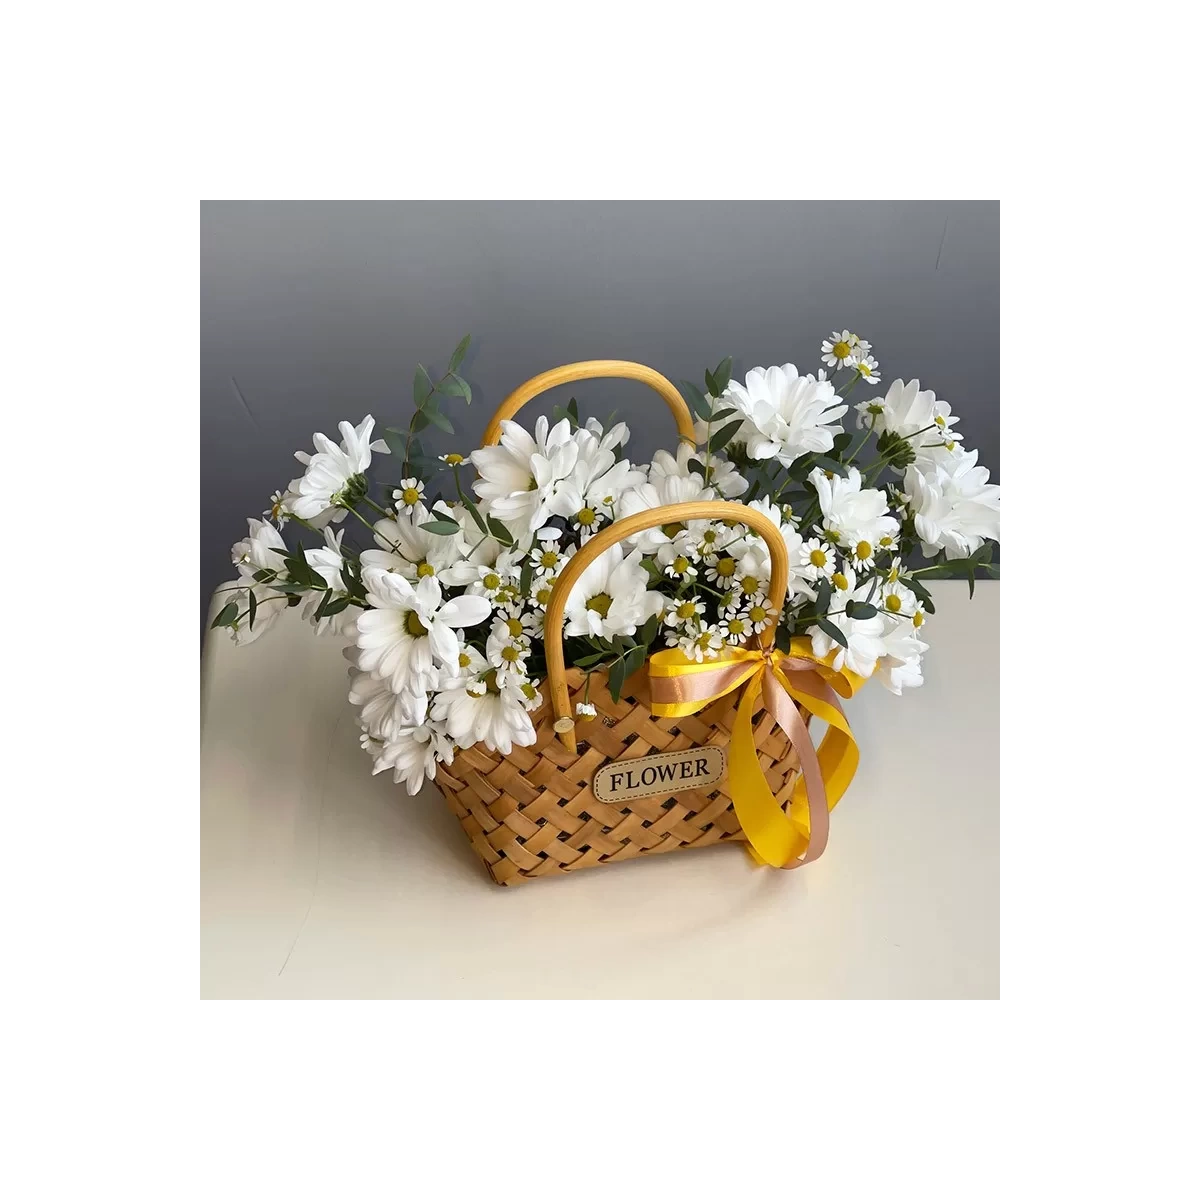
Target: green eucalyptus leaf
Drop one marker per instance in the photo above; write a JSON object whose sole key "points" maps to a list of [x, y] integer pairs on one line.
{"points": [[725, 413], [722, 374], [419, 422], [831, 630], [443, 527], [439, 419], [858, 611], [422, 386], [723, 436], [696, 399], [616, 678], [455, 385], [460, 352], [499, 531], [253, 606], [397, 441], [226, 616]]}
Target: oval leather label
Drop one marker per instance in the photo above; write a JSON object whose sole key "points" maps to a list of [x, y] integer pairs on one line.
{"points": [[700, 768]]}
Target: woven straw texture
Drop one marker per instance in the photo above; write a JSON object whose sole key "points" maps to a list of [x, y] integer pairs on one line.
{"points": [[532, 813]]}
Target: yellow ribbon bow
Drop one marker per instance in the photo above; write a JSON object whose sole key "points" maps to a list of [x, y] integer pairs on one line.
{"points": [[679, 687]]}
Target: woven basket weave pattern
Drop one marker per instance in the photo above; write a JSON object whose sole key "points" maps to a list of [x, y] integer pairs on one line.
{"points": [[532, 813]]}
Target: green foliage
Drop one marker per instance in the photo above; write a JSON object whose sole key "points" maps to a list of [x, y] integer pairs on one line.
{"points": [[858, 611], [443, 526], [831, 630], [723, 436], [227, 616], [456, 359]]}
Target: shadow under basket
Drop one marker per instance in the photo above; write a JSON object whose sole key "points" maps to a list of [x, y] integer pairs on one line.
{"points": [[533, 812]]}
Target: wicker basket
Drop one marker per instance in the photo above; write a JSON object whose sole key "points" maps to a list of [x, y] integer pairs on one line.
{"points": [[534, 812]]}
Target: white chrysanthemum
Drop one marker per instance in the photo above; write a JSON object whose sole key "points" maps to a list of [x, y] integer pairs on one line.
{"points": [[723, 475], [413, 754], [385, 712], [508, 647], [409, 631], [955, 510], [521, 476], [852, 513], [323, 488], [865, 638], [409, 494], [263, 550], [897, 600], [327, 562], [598, 479], [900, 663], [670, 489], [497, 718], [839, 349], [610, 598], [412, 551], [787, 414], [907, 411]]}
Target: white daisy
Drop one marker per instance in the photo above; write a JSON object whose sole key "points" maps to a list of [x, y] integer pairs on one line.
{"points": [[869, 413], [677, 557], [896, 600], [585, 712], [409, 631], [955, 510], [280, 508], [723, 475], [413, 754], [862, 554], [900, 662], [334, 477], [327, 562], [599, 478], [263, 550], [908, 411], [722, 572], [384, 712], [452, 460], [414, 552], [610, 598], [797, 578], [409, 494], [787, 414], [508, 655], [852, 513], [522, 475], [734, 630], [496, 716]]}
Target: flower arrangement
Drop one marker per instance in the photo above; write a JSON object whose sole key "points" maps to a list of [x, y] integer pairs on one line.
{"points": [[445, 598]]}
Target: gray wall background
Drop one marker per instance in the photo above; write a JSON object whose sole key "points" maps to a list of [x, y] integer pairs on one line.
{"points": [[321, 310]]}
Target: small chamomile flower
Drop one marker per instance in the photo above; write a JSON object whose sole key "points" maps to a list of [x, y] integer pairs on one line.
{"points": [[816, 559], [862, 553], [675, 558], [759, 614], [896, 600], [704, 642], [844, 580], [838, 349], [709, 541], [722, 572], [278, 510], [753, 573], [490, 582], [587, 520], [512, 627], [683, 613], [409, 494], [867, 367], [585, 712], [548, 559], [869, 412], [530, 696], [541, 591], [452, 460], [734, 630]]}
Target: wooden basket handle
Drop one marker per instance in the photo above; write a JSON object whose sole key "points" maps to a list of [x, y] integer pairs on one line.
{"points": [[667, 514], [599, 368]]}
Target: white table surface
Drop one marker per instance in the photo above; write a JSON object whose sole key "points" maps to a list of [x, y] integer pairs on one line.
{"points": [[319, 880]]}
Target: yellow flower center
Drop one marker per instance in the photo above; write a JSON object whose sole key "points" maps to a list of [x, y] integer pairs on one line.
{"points": [[548, 558], [840, 581], [687, 610], [680, 565], [424, 570], [864, 370], [491, 581], [672, 530], [736, 626], [893, 574], [464, 660], [817, 558], [531, 693], [585, 516], [543, 596], [750, 585], [600, 603], [703, 640], [412, 623], [841, 350], [862, 551], [410, 496], [918, 619], [892, 603], [886, 540], [514, 626], [949, 446], [455, 460], [510, 654], [757, 613], [726, 568], [833, 536], [710, 536], [940, 422]]}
